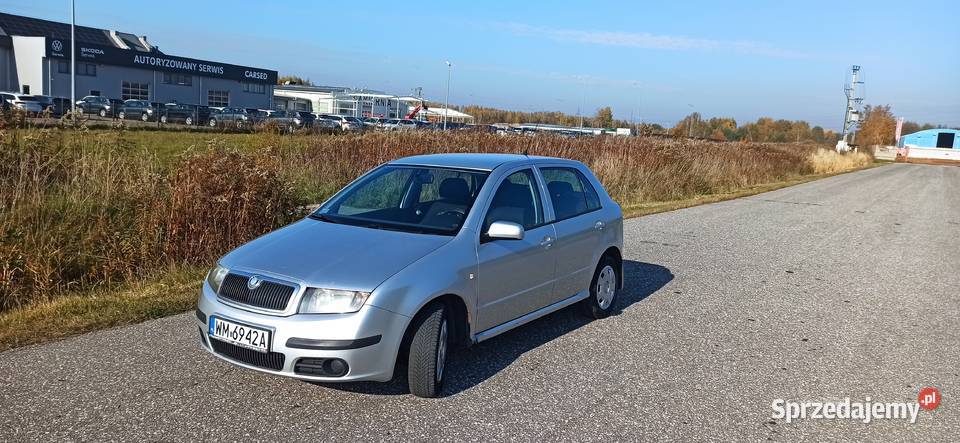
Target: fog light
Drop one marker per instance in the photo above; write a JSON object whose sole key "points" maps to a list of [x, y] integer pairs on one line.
{"points": [[321, 367], [336, 367]]}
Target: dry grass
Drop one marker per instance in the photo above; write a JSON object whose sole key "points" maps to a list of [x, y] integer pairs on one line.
{"points": [[830, 162], [171, 291], [87, 212]]}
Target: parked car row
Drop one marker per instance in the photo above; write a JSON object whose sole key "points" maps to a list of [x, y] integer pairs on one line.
{"points": [[222, 117]]}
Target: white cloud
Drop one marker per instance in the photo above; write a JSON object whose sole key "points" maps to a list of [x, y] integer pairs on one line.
{"points": [[647, 40]]}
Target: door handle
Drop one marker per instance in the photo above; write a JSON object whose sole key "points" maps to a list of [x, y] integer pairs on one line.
{"points": [[547, 242], [598, 225]]}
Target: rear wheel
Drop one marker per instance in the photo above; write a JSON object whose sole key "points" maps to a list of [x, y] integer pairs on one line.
{"points": [[188, 121], [163, 119], [144, 116], [604, 289], [428, 351], [213, 123], [103, 112], [122, 115]]}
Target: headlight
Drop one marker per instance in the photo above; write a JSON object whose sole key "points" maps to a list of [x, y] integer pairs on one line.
{"points": [[149, 111], [107, 107], [216, 276], [332, 301]]}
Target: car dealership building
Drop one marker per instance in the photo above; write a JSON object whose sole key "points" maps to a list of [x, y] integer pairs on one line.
{"points": [[35, 59]]}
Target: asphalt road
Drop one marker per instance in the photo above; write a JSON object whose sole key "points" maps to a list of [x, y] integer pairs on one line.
{"points": [[843, 287]]}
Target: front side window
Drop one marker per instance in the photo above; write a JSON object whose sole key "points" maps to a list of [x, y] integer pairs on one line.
{"points": [[517, 200], [570, 192], [407, 198]]}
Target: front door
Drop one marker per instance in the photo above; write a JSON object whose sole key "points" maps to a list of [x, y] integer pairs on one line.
{"points": [[515, 276]]}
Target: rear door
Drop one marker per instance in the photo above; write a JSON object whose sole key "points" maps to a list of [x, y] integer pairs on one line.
{"points": [[515, 276], [579, 227]]}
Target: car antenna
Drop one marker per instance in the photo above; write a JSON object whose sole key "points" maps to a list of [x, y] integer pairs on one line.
{"points": [[525, 153]]}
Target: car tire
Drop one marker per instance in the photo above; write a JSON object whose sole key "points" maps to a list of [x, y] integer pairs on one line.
{"points": [[188, 121], [144, 116], [122, 116], [213, 123], [428, 351], [163, 119], [604, 289], [103, 112]]}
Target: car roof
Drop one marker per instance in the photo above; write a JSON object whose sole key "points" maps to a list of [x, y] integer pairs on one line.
{"points": [[482, 161]]}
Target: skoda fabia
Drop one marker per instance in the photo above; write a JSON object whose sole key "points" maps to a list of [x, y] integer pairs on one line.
{"points": [[415, 256]]}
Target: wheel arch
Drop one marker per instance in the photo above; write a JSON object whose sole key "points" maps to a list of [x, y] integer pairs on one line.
{"points": [[458, 314], [614, 253]]}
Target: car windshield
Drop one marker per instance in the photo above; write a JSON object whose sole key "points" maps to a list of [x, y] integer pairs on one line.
{"points": [[407, 198]]}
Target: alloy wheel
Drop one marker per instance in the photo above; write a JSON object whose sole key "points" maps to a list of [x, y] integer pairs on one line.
{"points": [[606, 287]]}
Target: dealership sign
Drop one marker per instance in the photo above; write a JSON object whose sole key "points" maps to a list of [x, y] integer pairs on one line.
{"points": [[57, 48]]}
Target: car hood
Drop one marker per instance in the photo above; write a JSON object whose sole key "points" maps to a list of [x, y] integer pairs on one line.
{"points": [[333, 256]]}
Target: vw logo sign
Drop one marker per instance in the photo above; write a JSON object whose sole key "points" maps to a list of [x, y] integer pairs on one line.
{"points": [[254, 282], [57, 45]]}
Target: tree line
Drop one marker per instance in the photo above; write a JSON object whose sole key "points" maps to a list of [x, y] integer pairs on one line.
{"points": [[879, 126]]}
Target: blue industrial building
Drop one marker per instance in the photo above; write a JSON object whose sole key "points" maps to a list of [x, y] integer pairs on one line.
{"points": [[932, 138]]}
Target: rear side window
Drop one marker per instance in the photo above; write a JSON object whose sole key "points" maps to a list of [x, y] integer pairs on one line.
{"points": [[570, 192]]}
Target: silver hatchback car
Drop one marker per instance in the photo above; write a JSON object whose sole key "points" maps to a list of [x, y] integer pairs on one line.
{"points": [[415, 256]]}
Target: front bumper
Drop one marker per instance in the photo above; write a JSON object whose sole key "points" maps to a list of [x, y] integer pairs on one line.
{"points": [[367, 340]]}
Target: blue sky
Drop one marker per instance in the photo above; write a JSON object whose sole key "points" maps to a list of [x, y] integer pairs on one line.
{"points": [[656, 60]]}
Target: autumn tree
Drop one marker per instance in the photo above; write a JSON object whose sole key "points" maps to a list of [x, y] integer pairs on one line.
{"points": [[604, 118], [878, 126], [293, 80]]}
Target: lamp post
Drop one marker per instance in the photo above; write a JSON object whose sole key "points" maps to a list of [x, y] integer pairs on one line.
{"points": [[446, 106], [73, 59]]}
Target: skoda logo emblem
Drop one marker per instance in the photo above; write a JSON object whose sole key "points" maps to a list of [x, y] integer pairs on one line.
{"points": [[254, 282], [57, 45]]}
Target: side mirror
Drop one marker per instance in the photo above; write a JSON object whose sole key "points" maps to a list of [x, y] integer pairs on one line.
{"points": [[504, 230]]}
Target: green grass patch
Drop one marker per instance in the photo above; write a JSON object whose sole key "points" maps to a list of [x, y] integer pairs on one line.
{"points": [[170, 292]]}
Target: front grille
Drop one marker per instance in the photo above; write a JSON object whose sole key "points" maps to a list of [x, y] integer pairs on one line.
{"points": [[269, 295], [268, 360]]}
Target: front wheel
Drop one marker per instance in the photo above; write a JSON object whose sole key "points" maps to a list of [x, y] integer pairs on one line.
{"points": [[122, 116], [163, 119], [213, 123], [428, 352], [103, 112], [188, 121], [144, 116], [604, 289]]}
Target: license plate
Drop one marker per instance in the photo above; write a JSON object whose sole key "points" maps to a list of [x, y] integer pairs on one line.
{"points": [[240, 334]]}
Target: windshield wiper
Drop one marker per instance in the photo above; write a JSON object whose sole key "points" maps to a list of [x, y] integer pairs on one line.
{"points": [[322, 217]]}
